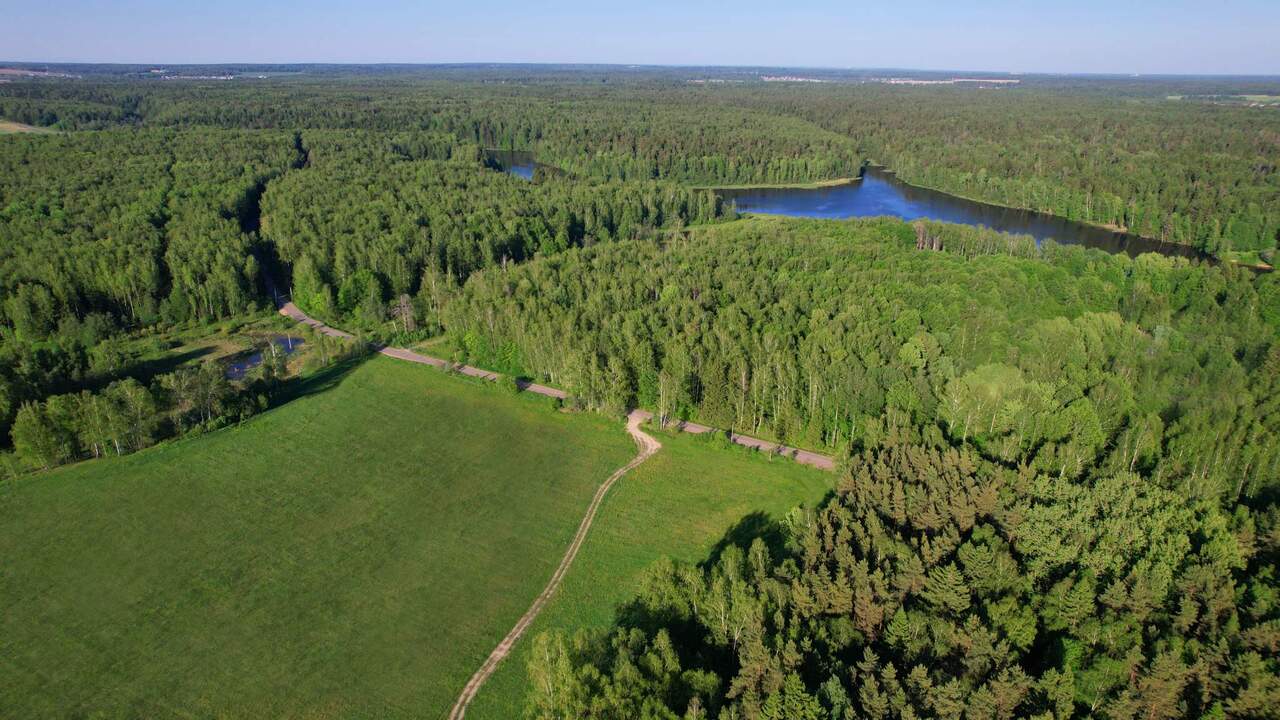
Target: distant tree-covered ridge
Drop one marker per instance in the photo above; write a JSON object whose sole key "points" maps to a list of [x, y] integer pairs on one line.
{"points": [[1110, 152]]}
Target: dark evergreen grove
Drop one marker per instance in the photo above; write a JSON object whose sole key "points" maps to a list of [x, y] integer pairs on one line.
{"points": [[1059, 471]]}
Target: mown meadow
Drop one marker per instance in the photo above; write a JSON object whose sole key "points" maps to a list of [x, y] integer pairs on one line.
{"points": [[691, 499], [355, 552]]}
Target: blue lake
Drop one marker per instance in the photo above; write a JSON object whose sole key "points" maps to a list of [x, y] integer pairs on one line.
{"points": [[879, 192]]}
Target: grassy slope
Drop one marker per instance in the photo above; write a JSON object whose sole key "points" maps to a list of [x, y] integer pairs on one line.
{"points": [[356, 552], [680, 503]]}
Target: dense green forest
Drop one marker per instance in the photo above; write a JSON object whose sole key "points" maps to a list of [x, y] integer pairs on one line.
{"points": [[375, 216], [121, 231], [133, 225], [1110, 152], [843, 335], [1194, 174], [1059, 473], [938, 583], [1059, 498]]}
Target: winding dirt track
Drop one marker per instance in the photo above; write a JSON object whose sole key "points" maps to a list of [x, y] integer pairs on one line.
{"points": [[648, 446], [804, 457]]}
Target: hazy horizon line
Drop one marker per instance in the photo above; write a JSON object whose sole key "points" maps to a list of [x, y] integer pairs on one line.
{"points": [[610, 64]]}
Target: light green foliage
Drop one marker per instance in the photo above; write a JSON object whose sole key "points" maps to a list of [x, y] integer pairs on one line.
{"points": [[843, 335]]}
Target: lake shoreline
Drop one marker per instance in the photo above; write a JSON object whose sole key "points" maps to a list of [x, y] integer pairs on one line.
{"points": [[522, 163], [815, 185], [1257, 267], [880, 192], [1101, 226]]}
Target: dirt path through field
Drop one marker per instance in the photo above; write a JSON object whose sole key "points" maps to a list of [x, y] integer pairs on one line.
{"points": [[804, 457], [648, 446]]}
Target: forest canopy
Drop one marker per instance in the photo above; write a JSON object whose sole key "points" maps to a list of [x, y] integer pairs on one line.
{"points": [[1106, 151], [1059, 493], [1058, 468]]}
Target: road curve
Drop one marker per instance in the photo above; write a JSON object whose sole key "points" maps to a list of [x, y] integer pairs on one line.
{"points": [[647, 446], [804, 457]]}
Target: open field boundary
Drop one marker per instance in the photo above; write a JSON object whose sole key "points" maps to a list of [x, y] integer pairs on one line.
{"points": [[645, 443], [805, 457]]}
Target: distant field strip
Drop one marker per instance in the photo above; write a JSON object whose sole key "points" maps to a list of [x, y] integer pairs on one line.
{"points": [[9, 126]]}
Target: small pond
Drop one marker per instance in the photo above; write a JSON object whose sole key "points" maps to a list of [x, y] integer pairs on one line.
{"points": [[517, 162], [240, 367]]}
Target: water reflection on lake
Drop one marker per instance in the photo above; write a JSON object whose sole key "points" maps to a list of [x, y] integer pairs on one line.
{"points": [[239, 368], [517, 162], [879, 192]]}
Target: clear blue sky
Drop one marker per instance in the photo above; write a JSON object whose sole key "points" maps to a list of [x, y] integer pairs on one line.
{"points": [[1124, 36]]}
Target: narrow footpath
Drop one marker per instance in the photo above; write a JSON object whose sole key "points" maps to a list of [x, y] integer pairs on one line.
{"points": [[646, 444]]}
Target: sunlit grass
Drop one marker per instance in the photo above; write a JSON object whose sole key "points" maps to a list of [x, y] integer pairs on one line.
{"points": [[680, 503], [356, 552]]}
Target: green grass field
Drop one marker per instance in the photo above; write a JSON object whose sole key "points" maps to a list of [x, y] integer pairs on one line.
{"points": [[680, 503], [354, 553]]}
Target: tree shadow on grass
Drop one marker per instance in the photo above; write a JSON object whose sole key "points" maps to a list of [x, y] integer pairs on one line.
{"points": [[637, 613], [318, 382], [650, 611], [146, 371], [753, 526]]}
